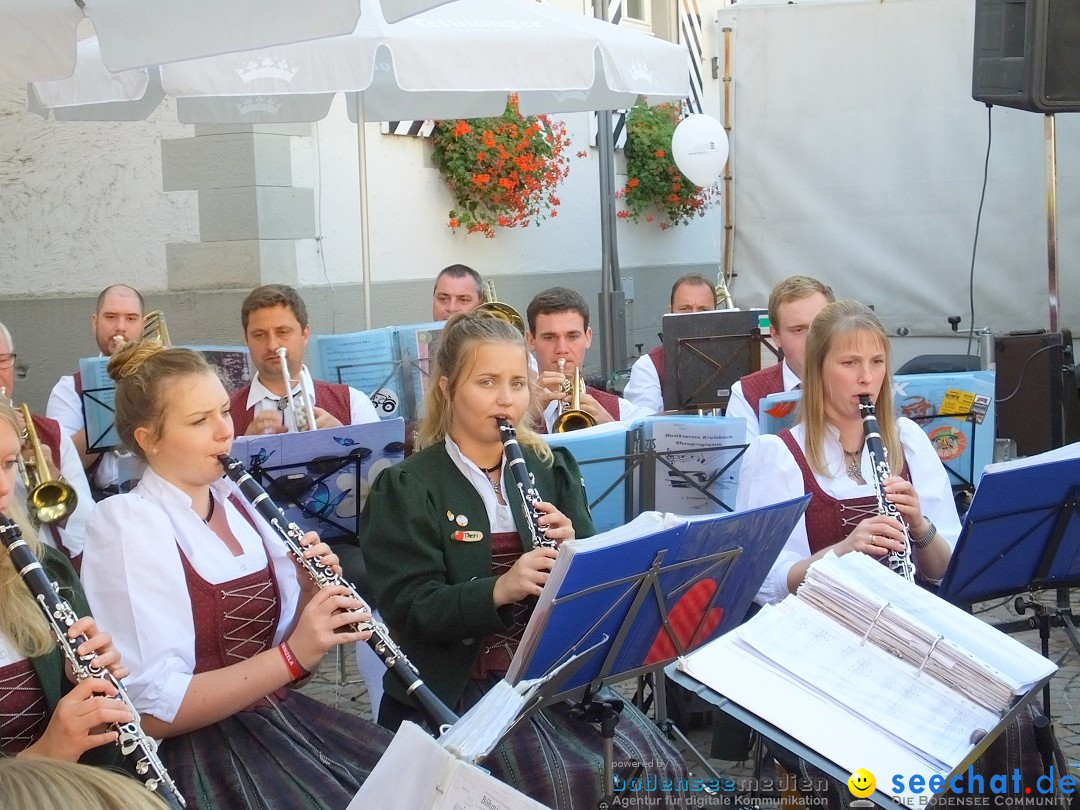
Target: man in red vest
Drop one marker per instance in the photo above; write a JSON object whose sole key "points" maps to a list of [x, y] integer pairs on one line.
{"points": [[793, 304], [559, 328], [68, 534], [117, 319], [274, 316], [690, 293]]}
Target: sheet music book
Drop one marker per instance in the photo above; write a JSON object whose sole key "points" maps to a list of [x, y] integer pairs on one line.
{"points": [[321, 477], [650, 590], [367, 361], [912, 698], [416, 343], [416, 773], [1021, 531], [601, 454], [697, 462]]}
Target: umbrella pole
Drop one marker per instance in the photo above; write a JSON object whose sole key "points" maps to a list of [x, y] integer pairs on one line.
{"points": [[365, 224], [612, 302]]}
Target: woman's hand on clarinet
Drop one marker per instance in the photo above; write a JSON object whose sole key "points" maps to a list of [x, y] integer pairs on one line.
{"points": [[557, 525], [902, 494], [876, 536], [106, 656], [314, 548], [79, 720], [525, 578], [321, 624]]}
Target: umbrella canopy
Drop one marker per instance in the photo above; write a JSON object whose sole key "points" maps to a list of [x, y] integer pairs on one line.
{"points": [[38, 37], [457, 60]]}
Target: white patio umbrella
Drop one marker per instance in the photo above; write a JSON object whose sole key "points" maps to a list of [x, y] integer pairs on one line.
{"points": [[458, 60], [38, 37]]}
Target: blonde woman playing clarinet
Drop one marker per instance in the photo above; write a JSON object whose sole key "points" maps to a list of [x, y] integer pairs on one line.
{"points": [[215, 619], [449, 546]]}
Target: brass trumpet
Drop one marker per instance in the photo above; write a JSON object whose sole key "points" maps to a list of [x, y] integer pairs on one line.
{"points": [[571, 416], [49, 499], [504, 312]]}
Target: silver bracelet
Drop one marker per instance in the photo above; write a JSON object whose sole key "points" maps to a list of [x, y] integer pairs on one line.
{"points": [[928, 536]]}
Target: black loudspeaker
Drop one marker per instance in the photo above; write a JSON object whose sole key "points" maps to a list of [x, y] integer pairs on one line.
{"points": [[1027, 54], [1037, 403]]}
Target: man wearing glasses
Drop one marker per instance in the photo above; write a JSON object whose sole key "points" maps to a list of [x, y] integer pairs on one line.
{"points": [[118, 319], [68, 534]]}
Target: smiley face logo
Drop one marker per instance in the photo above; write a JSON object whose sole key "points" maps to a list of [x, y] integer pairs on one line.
{"points": [[861, 783]]}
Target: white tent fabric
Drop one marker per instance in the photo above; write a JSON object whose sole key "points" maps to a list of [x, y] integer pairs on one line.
{"points": [[857, 157], [478, 50], [38, 37]]}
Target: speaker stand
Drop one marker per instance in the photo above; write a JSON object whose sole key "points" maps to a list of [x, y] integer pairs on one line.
{"points": [[1050, 138]]}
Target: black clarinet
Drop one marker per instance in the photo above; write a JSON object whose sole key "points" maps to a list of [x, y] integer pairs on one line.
{"points": [[60, 615], [898, 561], [526, 484], [438, 716]]}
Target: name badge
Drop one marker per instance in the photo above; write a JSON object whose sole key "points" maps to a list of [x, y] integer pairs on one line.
{"points": [[468, 537]]}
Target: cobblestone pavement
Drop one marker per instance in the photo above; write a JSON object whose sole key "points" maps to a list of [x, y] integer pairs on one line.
{"points": [[340, 686]]}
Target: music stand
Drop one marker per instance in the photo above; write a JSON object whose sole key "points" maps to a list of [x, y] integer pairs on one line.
{"points": [[317, 476], [705, 353], [648, 600], [1022, 534]]}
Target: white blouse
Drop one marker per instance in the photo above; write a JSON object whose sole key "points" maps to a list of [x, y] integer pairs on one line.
{"points": [[500, 518], [770, 474], [134, 580]]}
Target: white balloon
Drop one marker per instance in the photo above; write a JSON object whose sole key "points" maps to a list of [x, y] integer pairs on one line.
{"points": [[700, 148]]}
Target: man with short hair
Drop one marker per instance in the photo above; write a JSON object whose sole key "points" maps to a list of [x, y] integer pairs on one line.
{"points": [[68, 534], [559, 328], [117, 319], [645, 388], [458, 288], [793, 304], [274, 316]]}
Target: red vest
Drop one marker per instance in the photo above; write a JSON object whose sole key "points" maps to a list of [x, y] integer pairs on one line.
{"points": [[609, 402], [48, 431], [829, 520], [657, 357], [331, 397], [760, 384]]}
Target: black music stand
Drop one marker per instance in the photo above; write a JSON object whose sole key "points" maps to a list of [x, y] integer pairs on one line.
{"points": [[649, 600], [705, 353], [1022, 535]]}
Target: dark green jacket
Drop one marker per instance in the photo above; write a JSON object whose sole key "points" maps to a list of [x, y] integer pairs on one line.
{"points": [[435, 592], [50, 667]]}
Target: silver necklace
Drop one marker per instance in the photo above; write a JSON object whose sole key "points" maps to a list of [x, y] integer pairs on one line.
{"points": [[854, 465]]}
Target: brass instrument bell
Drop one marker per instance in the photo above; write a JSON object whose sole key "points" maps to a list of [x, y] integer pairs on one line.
{"points": [[49, 498], [571, 416], [504, 312]]}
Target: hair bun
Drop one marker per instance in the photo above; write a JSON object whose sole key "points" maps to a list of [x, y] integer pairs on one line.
{"points": [[130, 357]]}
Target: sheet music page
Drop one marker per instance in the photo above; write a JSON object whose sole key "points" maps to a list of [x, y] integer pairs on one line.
{"points": [[865, 680], [1019, 665], [412, 752], [481, 728], [469, 788]]}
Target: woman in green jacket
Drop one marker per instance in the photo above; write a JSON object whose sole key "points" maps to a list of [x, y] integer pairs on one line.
{"points": [[41, 712], [442, 539]]}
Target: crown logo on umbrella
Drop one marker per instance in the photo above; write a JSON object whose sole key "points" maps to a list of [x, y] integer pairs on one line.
{"points": [[257, 104], [267, 68], [639, 71]]}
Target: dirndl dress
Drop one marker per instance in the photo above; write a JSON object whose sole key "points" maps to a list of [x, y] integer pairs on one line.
{"points": [[287, 751]]}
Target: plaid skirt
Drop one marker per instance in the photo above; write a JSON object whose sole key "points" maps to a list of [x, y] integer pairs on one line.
{"points": [[558, 760], [291, 754]]}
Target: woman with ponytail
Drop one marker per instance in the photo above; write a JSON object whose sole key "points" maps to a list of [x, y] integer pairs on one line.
{"points": [[216, 621]]}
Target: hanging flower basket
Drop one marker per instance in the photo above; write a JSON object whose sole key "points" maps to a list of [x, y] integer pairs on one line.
{"points": [[502, 171], [655, 188]]}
